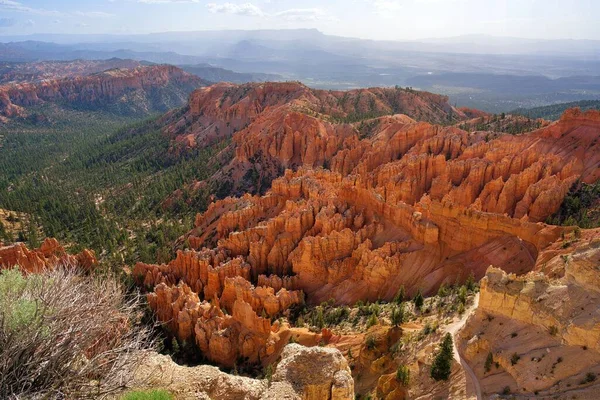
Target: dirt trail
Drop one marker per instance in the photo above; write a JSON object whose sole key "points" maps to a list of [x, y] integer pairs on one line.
{"points": [[453, 330]]}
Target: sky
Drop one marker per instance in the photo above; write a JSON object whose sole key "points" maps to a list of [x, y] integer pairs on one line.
{"points": [[368, 19]]}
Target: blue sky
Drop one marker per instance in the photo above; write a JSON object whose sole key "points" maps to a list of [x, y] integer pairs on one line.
{"points": [[372, 19]]}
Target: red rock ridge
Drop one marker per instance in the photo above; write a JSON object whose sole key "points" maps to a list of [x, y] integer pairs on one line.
{"points": [[410, 204], [49, 255], [90, 89]]}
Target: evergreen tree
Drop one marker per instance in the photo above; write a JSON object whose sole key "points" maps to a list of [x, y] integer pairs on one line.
{"points": [[400, 295], [418, 299], [442, 364], [470, 283], [489, 361], [403, 375], [397, 315]]}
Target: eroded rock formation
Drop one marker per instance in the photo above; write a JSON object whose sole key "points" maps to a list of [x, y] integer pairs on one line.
{"points": [[48, 256], [302, 374], [362, 208], [543, 332], [145, 87]]}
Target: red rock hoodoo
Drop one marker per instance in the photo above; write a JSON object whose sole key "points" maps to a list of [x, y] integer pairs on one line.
{"points": [[48, 256], [362, 209]]}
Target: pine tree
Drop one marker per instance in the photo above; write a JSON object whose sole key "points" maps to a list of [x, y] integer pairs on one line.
{"points": [[442, 364], [400, 295], [470, 283], [403, 375], [319, 319], [418, 299], [489, 361], [397, 316]]}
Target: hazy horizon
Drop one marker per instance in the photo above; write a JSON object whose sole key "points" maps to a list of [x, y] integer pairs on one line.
{"points": [[397, 20]]}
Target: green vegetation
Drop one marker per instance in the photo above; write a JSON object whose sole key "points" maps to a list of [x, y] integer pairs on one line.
{"points": [[403, 375], [397, 315], [589, 377], [51, 322], [154, 394], [442, 364], [370, 342], [514, 359], [418, 300], [581, 207], [489, 361], [554, 112], [100, 181], [400, 296], [372, 321]]}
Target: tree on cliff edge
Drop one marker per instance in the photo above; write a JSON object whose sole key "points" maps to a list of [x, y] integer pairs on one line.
{"points": [[442, 364]]}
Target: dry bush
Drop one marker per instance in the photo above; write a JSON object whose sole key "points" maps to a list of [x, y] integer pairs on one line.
{"points": [[67, 335]]}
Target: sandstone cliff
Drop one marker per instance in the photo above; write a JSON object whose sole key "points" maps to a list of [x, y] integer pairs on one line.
{"points": [[50, 255], [543, 332], [410, 204], [139, 89], [301, 374]]}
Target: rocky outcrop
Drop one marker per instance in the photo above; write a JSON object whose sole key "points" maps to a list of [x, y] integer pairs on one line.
{"points": [[410, 204], [139, 89], [50, 255], [230, 331], [288, 125], [301, 374], [543, 332], [312, 373]]}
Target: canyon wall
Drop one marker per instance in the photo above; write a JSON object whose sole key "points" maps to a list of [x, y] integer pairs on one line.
{"points": [[354, 210], [150, 88], [543, 328]]}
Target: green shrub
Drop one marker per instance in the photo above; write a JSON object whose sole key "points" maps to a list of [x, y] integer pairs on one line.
{"points": [[489, 361], [397, 315], [154, 394], [60, 331], [372, 321], [399, 298], [470, 283], [418, 300], [443, 290], [442, 363], [403, 375], [318, 319], [462, 295], [589, 377], [370, 342]]}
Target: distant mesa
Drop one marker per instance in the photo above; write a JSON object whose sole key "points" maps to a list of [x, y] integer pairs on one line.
{"points": [[141, 89]]}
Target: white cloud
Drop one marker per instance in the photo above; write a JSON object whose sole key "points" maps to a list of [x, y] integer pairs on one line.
{"points": [[251, 10], [384, 7], [247, 9], [92, 14], [11, 5], [304, 14], [30, 23]]}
